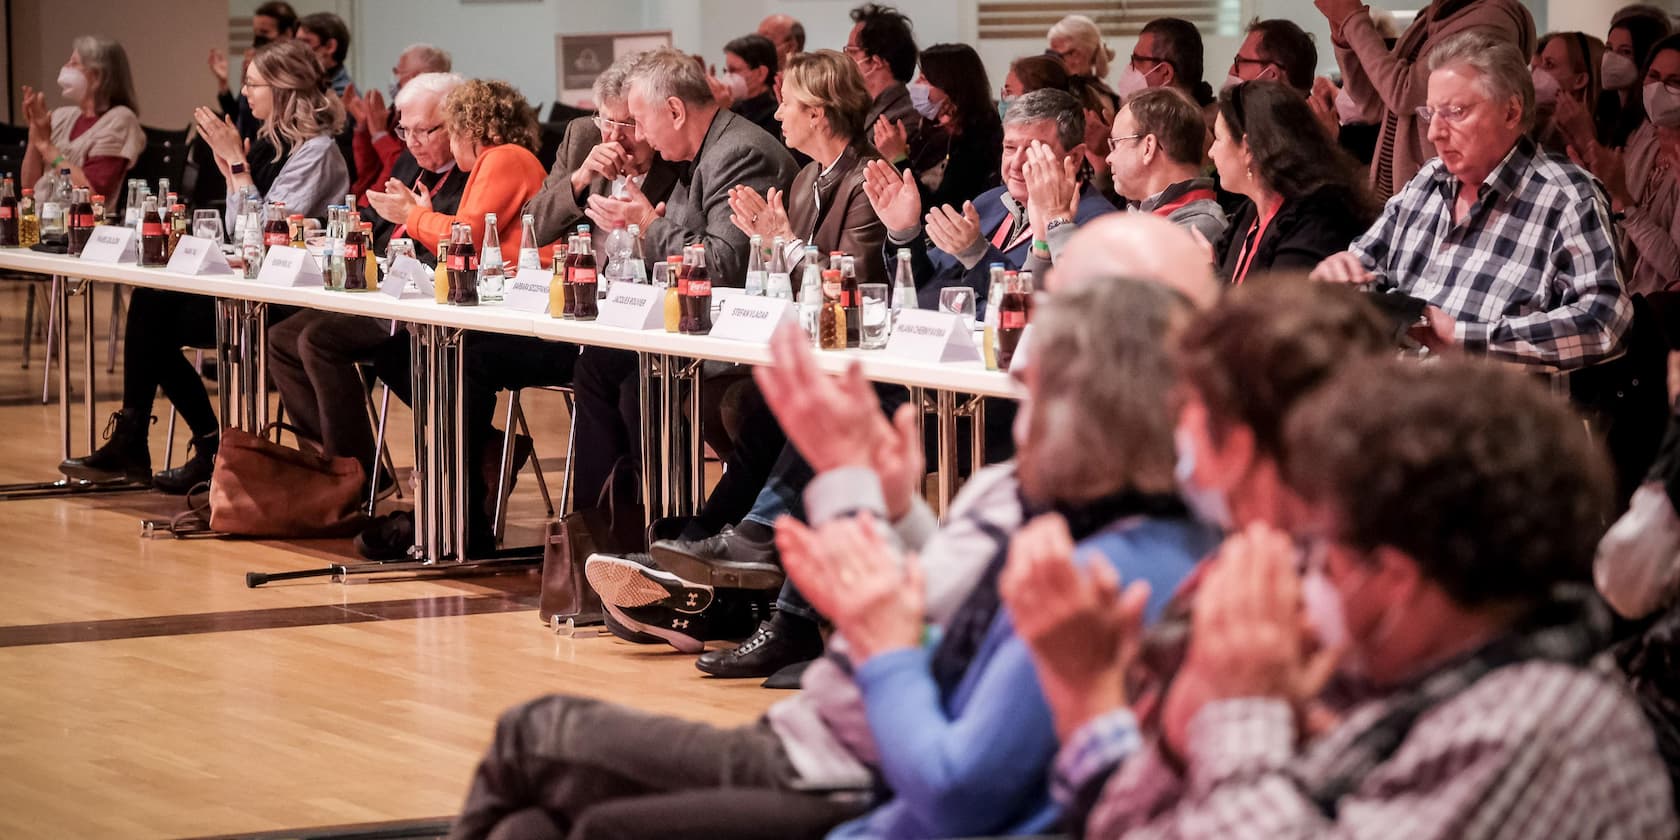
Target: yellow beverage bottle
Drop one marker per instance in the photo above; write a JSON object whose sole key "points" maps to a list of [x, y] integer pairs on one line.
{"points": [[557, 286], [440, 277], [988, 347], [372, 272]]}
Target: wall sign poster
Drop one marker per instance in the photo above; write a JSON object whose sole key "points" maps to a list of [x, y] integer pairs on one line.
{"points": [[580, 58]]}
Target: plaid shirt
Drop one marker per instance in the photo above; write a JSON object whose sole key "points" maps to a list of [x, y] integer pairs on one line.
{"points": [[1538, 748], [1529, 274]]}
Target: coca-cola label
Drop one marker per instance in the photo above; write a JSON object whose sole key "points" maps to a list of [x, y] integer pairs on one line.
{"points": [[1012, 320], [457, 262], [352, 251], [81, 220], [281, 239], [583, 275], [469, 262], [151, 229], [700, 288], [7, 213]]}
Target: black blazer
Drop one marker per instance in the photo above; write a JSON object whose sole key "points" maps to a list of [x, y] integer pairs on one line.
{"points": [[1304, 232]]}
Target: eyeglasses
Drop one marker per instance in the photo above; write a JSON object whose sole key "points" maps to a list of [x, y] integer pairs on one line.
{"points": [[606, 126], [1114, 142], [1147, 59], [1238, 62], [404, 133], [1451, 114]]}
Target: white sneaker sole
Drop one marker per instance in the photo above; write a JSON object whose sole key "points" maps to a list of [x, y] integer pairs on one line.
{"points": [[628, 584]]}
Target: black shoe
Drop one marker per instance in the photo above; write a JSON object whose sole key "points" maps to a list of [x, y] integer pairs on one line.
{"points": [[124, 455], [181, 480], [790, 677], [387, 538], [778, 643], [634, 581], [617, 628], [726, 561], [728, 619]]}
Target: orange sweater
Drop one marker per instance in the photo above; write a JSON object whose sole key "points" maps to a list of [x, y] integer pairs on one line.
{"points": [[503, 178]]}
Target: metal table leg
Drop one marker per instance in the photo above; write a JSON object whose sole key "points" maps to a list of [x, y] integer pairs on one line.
{"points": [[946, 402], [977, 433], [696, 442], [651, 416], [670, 431], [90, 384]]}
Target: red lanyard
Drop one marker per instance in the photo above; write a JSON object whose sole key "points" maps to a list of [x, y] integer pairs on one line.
{"points": [[1251, 244], [1003, 233], [1193, 195]]}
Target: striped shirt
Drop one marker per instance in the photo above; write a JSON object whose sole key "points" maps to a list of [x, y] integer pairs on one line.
{"points": [[1529, 274]]}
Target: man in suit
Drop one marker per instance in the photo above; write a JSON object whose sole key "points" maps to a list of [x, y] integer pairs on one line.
{"points": [[674, 111], [995, 226]]}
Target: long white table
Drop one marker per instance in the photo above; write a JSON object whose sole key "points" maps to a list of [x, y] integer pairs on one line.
{"points": [[436, 332]]}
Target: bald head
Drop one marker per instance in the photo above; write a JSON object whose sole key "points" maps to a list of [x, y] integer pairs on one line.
{"points": [[786, 33], [1137, 245]]}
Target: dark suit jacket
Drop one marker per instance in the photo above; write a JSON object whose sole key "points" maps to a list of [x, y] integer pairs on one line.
{"points": [[1303, 233], [558, 211], [934, 269], [760, 111], [847, 222], [446, 197], [734, 152]]}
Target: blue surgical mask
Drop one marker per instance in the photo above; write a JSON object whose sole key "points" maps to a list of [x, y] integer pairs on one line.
{"points": [[921, 98], [1003, 106], [1206, 504]]}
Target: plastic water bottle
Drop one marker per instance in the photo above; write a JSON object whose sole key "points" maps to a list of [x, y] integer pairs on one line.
{"points": [[618, 250], [778, 284], [756, 275], [635, 266]]}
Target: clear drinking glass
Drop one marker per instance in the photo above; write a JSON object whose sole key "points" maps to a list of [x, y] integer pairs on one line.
{"points": [[662, 274], [877, 318], [207, 224], [958, 300]]}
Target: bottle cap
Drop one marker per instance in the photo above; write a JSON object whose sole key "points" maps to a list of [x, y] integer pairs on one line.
{"points": [[28, 190]]}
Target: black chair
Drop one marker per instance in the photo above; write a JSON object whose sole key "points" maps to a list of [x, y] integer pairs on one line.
{"points": [[549, 147], [165, 156], [14, 143], [562, 113]]}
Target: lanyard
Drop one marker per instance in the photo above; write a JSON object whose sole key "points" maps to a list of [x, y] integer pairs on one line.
{"points": [[1251, 244], [1002, 235], [1203, 194]]}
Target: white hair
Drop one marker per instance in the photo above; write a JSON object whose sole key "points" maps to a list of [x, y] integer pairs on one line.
{"points": [[428, 84], [435, 59], [1083, 31], [1501, 67]]}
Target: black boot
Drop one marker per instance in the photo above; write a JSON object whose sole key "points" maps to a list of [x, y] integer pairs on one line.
{"points": [[124, 456], [181, 480]]}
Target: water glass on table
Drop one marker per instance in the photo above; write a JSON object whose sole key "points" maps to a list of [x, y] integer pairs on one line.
{"points": [[877, 318], [207, 224], [958, 300]]}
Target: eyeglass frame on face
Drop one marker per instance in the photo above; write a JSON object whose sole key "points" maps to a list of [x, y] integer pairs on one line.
{"points": [[1237, 61], [1113, 142], [628, 129], [1153, 59], [1452, 114], [403, 132]]}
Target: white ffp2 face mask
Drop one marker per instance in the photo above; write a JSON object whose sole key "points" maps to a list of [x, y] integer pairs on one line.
{"points": [[73, 83], [1662, 105], [1206, 504], [1132, 80], [1618, 72], [1546, 88]]}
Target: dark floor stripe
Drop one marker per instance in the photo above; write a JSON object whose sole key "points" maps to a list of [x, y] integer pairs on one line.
{"points": [[441, 606], [394, 830]]}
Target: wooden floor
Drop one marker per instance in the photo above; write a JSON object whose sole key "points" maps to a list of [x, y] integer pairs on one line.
{"points": [[145, 692]]}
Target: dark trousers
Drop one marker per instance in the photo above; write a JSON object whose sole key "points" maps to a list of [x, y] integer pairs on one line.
{"points": [[576, 767], [608, 414], [159, 324], [312, 357]]}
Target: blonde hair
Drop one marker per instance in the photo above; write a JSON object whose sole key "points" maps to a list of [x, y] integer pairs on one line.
{"points": [[1083, 32], [830, 81], [106, 57], [304, 105], [491, 112]]}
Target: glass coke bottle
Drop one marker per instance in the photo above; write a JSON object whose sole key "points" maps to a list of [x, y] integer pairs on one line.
{"points": [[355, 255], [154, 240], [276, 233], [583, 281], [8, 215], [81, 222], [697, 304], [463, 268]]}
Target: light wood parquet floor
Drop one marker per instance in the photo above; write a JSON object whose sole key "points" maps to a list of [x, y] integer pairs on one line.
{"points": [[147, 693]]}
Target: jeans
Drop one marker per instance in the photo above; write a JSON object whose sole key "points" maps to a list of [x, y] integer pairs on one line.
{"points": [[563, 766]]}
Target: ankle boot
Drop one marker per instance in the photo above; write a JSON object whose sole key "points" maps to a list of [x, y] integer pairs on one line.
{"points": [[124, 455], [181, 480]]}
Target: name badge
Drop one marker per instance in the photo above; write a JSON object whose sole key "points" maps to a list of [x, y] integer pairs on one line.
{"points": [[529, 291], [289, 266], [633, 306], [198, 256], [408, 279], [111, 244], [752, 319], [929, 336]]}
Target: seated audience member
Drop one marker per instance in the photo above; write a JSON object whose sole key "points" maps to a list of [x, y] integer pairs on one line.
{"points": [[1027, 74], [898, 713], [1275, 50], [1566, 89], [1634, 30], [786, 33], [1305, 199], [1155, 153], [327, 36], [600, 155], [993, 227], [952, 93], [275, 20], [493, 135], [1168, 53], [375, 145], [884, 47], [1644, 181], [98, 136], [1388, 79], [751, 65], [1481, 717], [294, 161], [1078, 42], [313, 354], [1509, 248], [673, 109]]}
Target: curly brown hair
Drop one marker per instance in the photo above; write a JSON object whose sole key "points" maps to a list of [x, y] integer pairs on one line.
{"points": [[492, 112], [1473, 470]]}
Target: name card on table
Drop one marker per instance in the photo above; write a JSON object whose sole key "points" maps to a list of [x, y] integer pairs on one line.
{"points": [[633, 306], [752, 319], [929, 336], [529, 291], [289, 266], [408, 279], [111, 244], [198, 256]]}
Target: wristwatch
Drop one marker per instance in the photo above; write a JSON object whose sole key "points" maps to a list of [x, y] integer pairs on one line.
{"points": [[237, 168], [1056, 223]]}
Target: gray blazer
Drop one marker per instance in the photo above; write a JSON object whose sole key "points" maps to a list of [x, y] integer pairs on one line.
{"points": [[734, 152], [557, 211]]}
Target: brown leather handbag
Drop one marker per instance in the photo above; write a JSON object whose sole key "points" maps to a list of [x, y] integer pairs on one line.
{"points": [[261, 488], [567, 543]]}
